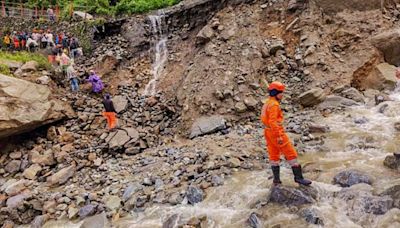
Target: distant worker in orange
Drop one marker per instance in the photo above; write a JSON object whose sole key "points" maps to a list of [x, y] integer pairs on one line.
{"points": [[277, 141], [110, 113]]}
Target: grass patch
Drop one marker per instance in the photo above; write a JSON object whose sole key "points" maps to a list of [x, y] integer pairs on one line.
{"points": [[24, 57], [5, 70]]}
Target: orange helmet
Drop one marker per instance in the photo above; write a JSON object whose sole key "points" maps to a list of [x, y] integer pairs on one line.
{"points": [[276, 85]]}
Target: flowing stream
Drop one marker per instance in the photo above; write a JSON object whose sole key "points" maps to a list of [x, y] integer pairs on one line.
{"points": [[361, 146], [160, 50]]}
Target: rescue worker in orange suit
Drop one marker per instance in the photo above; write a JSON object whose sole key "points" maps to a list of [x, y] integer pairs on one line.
{"points": [[110, 113], [277, 141]]}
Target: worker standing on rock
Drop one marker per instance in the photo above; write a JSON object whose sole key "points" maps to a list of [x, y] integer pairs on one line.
{"points": [[277, 141], [110, 113]]}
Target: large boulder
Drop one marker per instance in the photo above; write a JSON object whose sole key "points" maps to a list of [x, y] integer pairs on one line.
{"points": [[392, 162], [25, 106], [312, 97], [120, 103], [194, 195], [394, 192], [312, 216], [30, 66], [382, 77], [351, 177], [389, 44], [290, 196], [333, 101], [207, 125]]}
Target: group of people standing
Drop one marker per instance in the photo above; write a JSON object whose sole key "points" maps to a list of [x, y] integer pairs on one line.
{"points": [[40, 39]]}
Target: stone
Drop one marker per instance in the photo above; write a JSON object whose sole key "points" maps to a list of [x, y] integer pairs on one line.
{"points": [[382, 77], [333, 6], [205, 35], [380, 98], [131, 190], [234, 162], [97, 221], [351, 177], [113, 202], [15, 155], [333, 102], [133, 134], [120, 103], [377, 205], [39, 221], [276, 46], [171, 222], [62, 176], [254, 221], [390, 220], [207, 125], [30, 66], [86, 211], [240, 107], [315, 128], [16, 187], [397, 126], [251, 103], [26, 106], [44, 80], [289, 196], [72, 212], [32, 171], [353, 94], [312, 216], [388, 43], [217, 180], [119, 139], [45, 159], [194, 195], [16, 201], [312, 97], [394, 192], [8, 224], [392, 162], [13, 166]]}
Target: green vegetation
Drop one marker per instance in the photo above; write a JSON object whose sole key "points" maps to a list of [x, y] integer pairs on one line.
{"points": [[104, 7], [5, 70], [25, 57]]}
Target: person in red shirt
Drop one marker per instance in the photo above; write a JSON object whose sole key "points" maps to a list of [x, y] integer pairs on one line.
{"points": [[277, 140]]}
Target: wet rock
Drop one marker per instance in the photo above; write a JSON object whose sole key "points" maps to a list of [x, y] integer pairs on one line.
{"points": [[289, 196], [28, 112], [205, 35], [113, 202], [315, 128], [13, 166], [194, 195], [361, 120], [380, 98], [333, 102], [171, 222], [62, 176], [312, 97], [30, 66], [120, 103], [97, 221], [397, 126], [312, 216], [392, 162], [130, 190], [351, 177], [217, 180], [353, 94], [377, 205], [86, 211], [394, 192], [207, 125], [119, 139], [390, 220], [254, 221], [32, 171]]}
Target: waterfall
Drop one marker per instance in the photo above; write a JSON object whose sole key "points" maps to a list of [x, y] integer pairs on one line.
{"points": [[160, 50]]}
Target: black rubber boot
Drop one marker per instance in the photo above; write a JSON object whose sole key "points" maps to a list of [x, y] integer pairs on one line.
{"points": [[275, 171], [298, 176]]}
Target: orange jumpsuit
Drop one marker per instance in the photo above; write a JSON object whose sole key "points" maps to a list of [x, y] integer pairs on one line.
{"points": [[277, 140], [111, 119]]}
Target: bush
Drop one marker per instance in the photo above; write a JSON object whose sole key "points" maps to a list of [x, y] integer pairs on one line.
{"points": [[26, 57], [5, 70]]}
